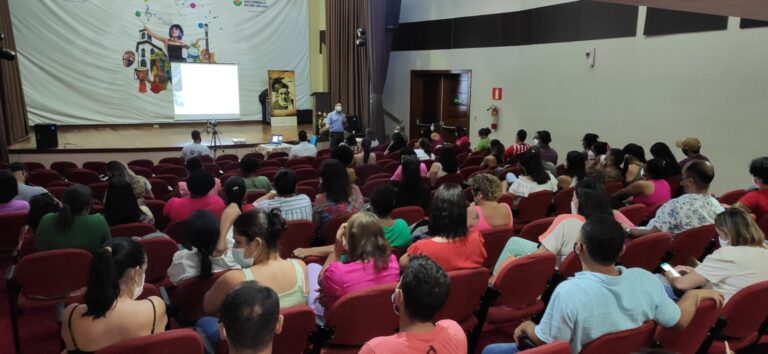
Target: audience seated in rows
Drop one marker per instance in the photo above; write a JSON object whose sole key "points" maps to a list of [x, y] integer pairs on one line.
{"points": [[398, 142], [72, 226], [599, 151], [396, 232], [423, 149], [693, 209], [140, 185], [604, 298], [365, 156], [485, 212], [575, 170], [741, 260], [404, 154], [192, 165], [338, 195], [634, 161], [361, 259], [445, 164], [121, 205], [433, 133], [292, 206], [197, 258], [662, 152], [410, 190], [513, 152], [652, 189], [588, 144], [691, 148], [450, 243], [351, 143], [485, 142], [257, 234], [542, 141], [25, 192], [248, 166], [346, 156], [461, 136], [196, 149], [756, 201], [495, 159], [421, 293], [234, 198], [39, 206], [607, 169], [533, 179], [111, 312], [303, 148], [9, 188], [589, 200], [250, 318], [200, 184]]}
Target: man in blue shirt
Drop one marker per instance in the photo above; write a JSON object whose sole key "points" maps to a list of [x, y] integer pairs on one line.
{"points": [[605, 298], [336, 122]]}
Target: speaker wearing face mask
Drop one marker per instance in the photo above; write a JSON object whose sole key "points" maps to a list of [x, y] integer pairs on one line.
{"points": [[336, 122], [115, 284]]}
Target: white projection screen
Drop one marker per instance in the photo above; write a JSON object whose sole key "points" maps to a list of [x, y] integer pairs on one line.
{"points": [[205, 91]]}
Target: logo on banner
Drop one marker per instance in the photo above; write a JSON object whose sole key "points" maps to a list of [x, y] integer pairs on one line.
{"points": [[496, 94]]}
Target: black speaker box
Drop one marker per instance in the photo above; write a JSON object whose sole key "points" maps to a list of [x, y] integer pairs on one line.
{"points": [[304, 116], [47, 136]]}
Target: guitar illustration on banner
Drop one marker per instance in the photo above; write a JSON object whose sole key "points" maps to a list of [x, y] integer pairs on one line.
{"points": [[206, 56]]}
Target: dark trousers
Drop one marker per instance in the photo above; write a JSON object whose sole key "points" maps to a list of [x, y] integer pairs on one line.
{"points": [[336, 138]]}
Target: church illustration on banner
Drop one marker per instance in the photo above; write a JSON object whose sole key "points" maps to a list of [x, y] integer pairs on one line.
{"points": [[152, 64]]}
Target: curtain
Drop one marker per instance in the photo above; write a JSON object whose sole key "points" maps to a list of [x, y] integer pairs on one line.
{"points": [[356, 75], [13, 109]]}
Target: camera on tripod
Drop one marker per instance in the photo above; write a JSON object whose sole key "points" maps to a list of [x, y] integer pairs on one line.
{"points": [[212, 123]]}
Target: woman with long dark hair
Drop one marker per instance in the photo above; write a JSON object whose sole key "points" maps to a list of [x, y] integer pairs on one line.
{"points": [[649, 191], [111, 312], [197, 258], [445, 164], [494, 160], [234, 197], [410, 190], [72, 226], [634, 159], [121, 205], [398, 142], [461, 136], [662, 152], [534, 178], [337, 194], [365, 156], [575, 170]]}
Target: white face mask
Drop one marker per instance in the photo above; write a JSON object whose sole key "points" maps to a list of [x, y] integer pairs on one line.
{"points": [[338, 108], [395, 308], [723, 242], [535, 141], [753, 183], [602, 159], [140, 287], [239, 256]]}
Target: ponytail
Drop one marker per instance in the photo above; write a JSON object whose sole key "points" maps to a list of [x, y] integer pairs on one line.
{"points": [[202, 232], [234, 191], [65, 218], [366, 149], [75, 200], [276, 225], [108, 267]]}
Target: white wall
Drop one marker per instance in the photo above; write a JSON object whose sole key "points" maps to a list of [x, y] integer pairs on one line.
{"points": [[711, 85]]}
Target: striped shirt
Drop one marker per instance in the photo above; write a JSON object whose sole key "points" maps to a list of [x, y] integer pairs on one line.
{"points": [[297, 207], [516, 149]]}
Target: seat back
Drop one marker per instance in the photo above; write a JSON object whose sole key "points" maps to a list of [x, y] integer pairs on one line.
{"points": [[189, 296], [305, 174], [227, 157], [99, 190], [177, 231], [466, 288], [732, 197], [468, 171], [160, 188], [329, 230], [532, 230], [624, 342], [688, 340], [449, 178], [178, 161], [156, 207], [53, 274], [141, 171], [371, 186], [646, 252], [299, 234], [11, 224], [298, 322], [314, 183], [521, 281], [42, 177], [130, 230], [473, 160], [160, 251], [533, 207], [763, 224], [100, 167], [175, 341], [551, 348], [144, 163], [308, 191], [351, 316], [269, 163], [63, 166], [562, 201], [635, 213], [691, 243], [365, 171], [390, 167], [411, 214], [277, 155], [495, 240], [613, 187], [570, 265], [253, 195], [82, 176], [746, 310], [177, 171]]}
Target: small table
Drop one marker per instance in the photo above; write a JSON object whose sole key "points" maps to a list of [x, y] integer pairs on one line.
{"points": [[267, 149]]}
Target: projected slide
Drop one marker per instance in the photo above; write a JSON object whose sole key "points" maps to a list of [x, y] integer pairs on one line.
{"points": [[205, 91]]}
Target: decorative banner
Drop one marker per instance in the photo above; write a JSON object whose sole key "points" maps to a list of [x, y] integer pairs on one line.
{"points": [[496, 94], [282, 95], [109, 62]]}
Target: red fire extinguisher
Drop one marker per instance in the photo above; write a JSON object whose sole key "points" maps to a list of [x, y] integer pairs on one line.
{"points": [[494, 116]]}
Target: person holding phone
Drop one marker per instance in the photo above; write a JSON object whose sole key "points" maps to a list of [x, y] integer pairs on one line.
{"points": [[741, 260]]}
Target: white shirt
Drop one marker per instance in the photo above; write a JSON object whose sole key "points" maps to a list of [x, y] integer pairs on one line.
{"points": [[303, 149], [297, 207], [524, 186], [186, 264], [732, 268], [686, 212], [194, 150]]}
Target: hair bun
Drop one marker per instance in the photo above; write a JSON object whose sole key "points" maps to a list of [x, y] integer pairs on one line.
{"points": [[276, 224]]}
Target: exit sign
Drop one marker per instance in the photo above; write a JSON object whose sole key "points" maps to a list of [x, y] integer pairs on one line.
{"points": [[496, 93]]}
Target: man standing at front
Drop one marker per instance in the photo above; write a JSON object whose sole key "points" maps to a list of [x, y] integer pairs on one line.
{"points": [[336, 122]]}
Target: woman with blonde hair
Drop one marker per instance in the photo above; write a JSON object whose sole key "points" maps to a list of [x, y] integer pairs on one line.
{"points": [[741, 260], [140, 185], [485, 212]]}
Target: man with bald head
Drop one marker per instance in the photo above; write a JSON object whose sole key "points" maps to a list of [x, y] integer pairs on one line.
{"points": [[693, 209]]}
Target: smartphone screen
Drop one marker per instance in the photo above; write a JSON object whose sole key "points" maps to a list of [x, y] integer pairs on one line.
{"points": [[668, 268]]}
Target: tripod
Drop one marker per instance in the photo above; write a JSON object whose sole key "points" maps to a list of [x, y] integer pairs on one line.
{"points": [[215, 144]]}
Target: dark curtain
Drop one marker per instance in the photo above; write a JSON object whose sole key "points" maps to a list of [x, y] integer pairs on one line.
{"points": [[13, 109], [356, 75]]}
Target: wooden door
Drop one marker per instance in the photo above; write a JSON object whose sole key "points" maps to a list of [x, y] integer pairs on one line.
{"points": [[439, 96]]}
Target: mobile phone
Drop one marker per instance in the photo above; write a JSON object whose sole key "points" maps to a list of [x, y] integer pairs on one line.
{"points": [[668, 268]]}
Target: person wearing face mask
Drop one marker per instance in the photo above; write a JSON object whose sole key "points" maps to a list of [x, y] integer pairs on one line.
{"points": [[421, 293], [589, 200], [741, 260], [256, 235], [336, 122], [756, 201], [486, 212], [695, 208], [111, 312]]}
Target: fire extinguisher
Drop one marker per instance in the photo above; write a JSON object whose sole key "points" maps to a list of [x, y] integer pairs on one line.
{"points": [[494, 116]]}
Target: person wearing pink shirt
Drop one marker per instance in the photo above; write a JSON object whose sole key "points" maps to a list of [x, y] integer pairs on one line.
{"points": [[200, 184]]}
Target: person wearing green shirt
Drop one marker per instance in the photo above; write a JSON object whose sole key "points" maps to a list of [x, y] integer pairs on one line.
{"points": [[248, 166], [72, 226], [485, 141]]}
